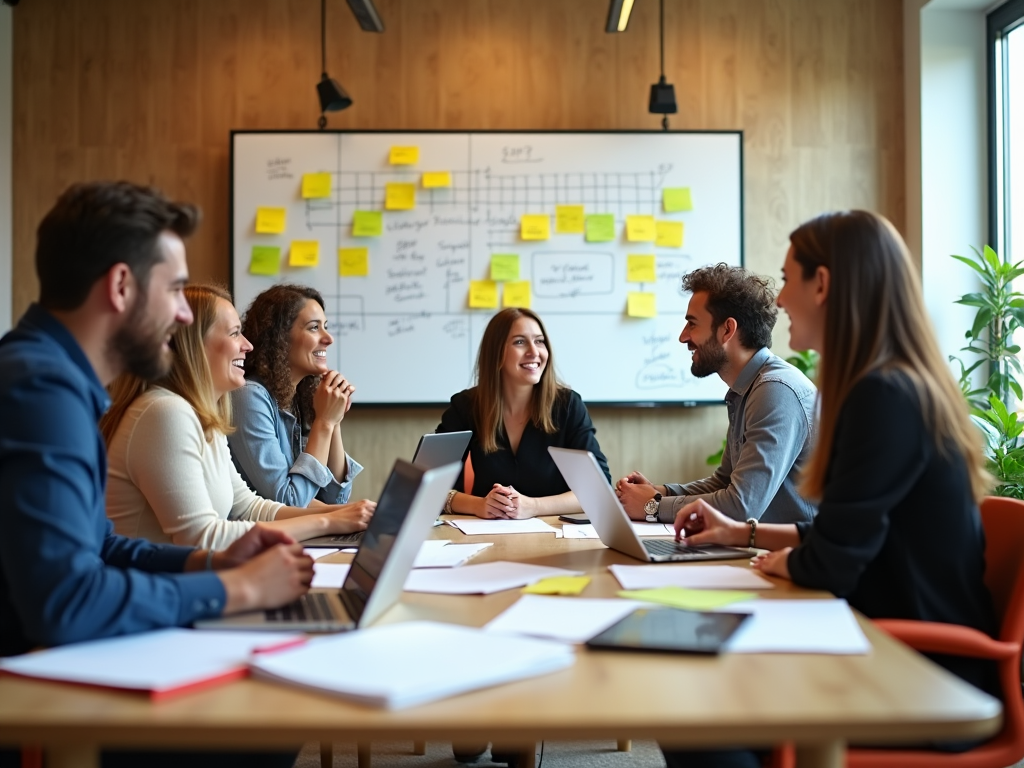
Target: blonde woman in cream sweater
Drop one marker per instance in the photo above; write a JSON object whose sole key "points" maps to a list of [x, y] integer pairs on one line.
{"points": [[170, 476]]}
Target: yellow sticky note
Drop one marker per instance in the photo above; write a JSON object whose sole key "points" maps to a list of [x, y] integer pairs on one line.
{"points": [[266, 260], [676, 199], [558, 585], [353, 262], [316, 185], [399, 196], [504, 266], [569, 219], [304, 253], [516, 294], [367, 224], [483, 294], [669, 234], [535, 226], [640, 269], [404, 155], [689, 599], [600, 228], [270, 221], [640, 229], [641, 304], [435, 179]]}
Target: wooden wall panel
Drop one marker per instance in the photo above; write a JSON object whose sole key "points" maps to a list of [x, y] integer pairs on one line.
{"points": [[149, 91]]}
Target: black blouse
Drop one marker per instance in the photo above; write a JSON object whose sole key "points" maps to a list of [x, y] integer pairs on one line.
{"points": [[530, 470], [897, 532]]}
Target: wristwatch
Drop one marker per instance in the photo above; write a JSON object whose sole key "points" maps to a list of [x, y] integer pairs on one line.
{"points": [[651, 508]]}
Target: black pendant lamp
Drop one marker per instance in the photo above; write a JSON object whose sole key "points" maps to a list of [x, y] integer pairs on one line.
{"points": [[333, 97]]}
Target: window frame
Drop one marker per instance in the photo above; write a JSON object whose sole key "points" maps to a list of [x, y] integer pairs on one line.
{"points": [[1001, 21]]}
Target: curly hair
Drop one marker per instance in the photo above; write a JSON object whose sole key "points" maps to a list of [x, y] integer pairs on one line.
{"points": [[734, 292], [268, 326]]}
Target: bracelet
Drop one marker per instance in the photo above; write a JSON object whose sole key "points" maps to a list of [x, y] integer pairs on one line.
{"points": [[209, 559], [752, 522], [448, 502]]}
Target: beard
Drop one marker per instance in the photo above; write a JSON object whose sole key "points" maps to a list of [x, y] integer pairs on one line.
{"points": [[139, 344], [711, 358]]}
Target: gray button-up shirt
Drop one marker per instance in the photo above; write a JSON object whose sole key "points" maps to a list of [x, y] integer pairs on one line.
{"points": [[772, 425]]}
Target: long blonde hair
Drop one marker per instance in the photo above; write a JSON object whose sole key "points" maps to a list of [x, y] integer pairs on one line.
{"points": [[876, 321], [489, 401], [190, 375]]}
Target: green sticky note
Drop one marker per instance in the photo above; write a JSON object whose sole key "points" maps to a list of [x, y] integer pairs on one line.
{"points": [[367, 224], [600, 228], [676, 199], [266, 260], [504, 267], [689, 599]]}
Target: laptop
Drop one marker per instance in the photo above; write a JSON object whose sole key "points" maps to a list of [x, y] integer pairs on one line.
{"points": [[584, 476], [405, 512], [433, 451]]}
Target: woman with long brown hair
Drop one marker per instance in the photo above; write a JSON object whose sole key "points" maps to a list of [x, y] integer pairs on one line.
{"points": [[898, 467], [170, 473], [518, 409]]}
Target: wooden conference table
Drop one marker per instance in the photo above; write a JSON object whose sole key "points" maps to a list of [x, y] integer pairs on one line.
{"points": [[891, 695]]}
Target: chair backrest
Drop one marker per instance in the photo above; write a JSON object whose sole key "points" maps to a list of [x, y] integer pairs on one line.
{"points": [[1003, 520]]}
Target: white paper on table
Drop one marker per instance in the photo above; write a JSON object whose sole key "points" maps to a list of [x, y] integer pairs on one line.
{"points": [[478, 527], [559, 618], [691, 576], [329, 575], [450, 556], [653, 529], [797, 626], [317, 552], [480, 579], [575, 531]]}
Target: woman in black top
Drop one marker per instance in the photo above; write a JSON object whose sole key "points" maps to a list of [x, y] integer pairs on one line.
{"points": [[898, 466], [516, 411]]}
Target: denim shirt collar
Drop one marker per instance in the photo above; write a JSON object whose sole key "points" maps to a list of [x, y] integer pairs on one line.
{"points": [[749, 372], [40, 319]]}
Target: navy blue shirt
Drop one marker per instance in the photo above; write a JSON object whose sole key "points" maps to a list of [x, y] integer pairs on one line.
{"points": [[64, 576]]}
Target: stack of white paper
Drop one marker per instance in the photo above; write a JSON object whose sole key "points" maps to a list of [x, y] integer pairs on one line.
{"points": [[576, 531], [329, 575], [692, 576], [478, 527], [480, 579], [317, 552], [443, 554], [400, 665], [797, 626], [571, 621]]}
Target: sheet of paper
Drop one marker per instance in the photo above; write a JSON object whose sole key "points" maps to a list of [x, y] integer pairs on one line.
{"points": [[404, 155], [558, 585], [689, 599], [641, 304], [450, 556], [353, 262], [436, 179], [669, 234], [689, 575], [572, 531], [270, 221], [399, 196], [482, 579], [316, 185], [329, 575], [475, 526], [304, 253], [571, 621], [797, 626], [569, 220], [600, 227], [367, 224], [640, 269], [516, 294], [653, 529], [483, 294], [535, 226], [317, 552], [266, 260], [640, 229], [505, 267], [674, 199]]}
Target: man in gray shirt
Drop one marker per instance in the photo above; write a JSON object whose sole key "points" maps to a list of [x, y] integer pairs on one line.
{"points": [[771, 407]]}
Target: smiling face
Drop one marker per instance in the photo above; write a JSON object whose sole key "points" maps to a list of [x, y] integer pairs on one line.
{"points": [[804, 300], [707, 353], [225, 350], [526, 353], [309, 342]]}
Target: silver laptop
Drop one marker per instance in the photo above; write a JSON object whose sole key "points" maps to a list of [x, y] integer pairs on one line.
{"points": [[433, 451], [584, 476], [407, 507]]}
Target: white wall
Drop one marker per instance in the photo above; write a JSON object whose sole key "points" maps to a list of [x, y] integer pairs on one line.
{"points": [[6, 112]]}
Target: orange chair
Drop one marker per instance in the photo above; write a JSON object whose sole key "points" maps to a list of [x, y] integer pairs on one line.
{"points": [[1003, 520]]}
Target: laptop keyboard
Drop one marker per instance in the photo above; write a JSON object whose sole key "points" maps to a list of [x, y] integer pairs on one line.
{"points": [[669, 547], [312, 607], [347, 538]]}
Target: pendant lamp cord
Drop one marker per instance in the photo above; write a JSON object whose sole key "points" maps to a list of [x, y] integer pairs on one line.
{"points": [[662, 25], [323, 37]]}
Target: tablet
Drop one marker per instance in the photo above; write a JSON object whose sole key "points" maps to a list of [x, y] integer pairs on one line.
{"points": [[669, 629]]}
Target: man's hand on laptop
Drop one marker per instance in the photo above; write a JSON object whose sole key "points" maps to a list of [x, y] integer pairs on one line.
{"points": [[701, 523], [635, 490]]}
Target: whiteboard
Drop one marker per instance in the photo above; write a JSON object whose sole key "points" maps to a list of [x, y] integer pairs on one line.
{"points": [[405, 333]]}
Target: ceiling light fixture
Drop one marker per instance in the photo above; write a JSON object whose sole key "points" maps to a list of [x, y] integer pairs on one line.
{"points": [[663, 95], [618, 15], [367, 16], [333, 97]]}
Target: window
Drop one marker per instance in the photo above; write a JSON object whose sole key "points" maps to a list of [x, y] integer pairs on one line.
{"points": [[1006, 130]]}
